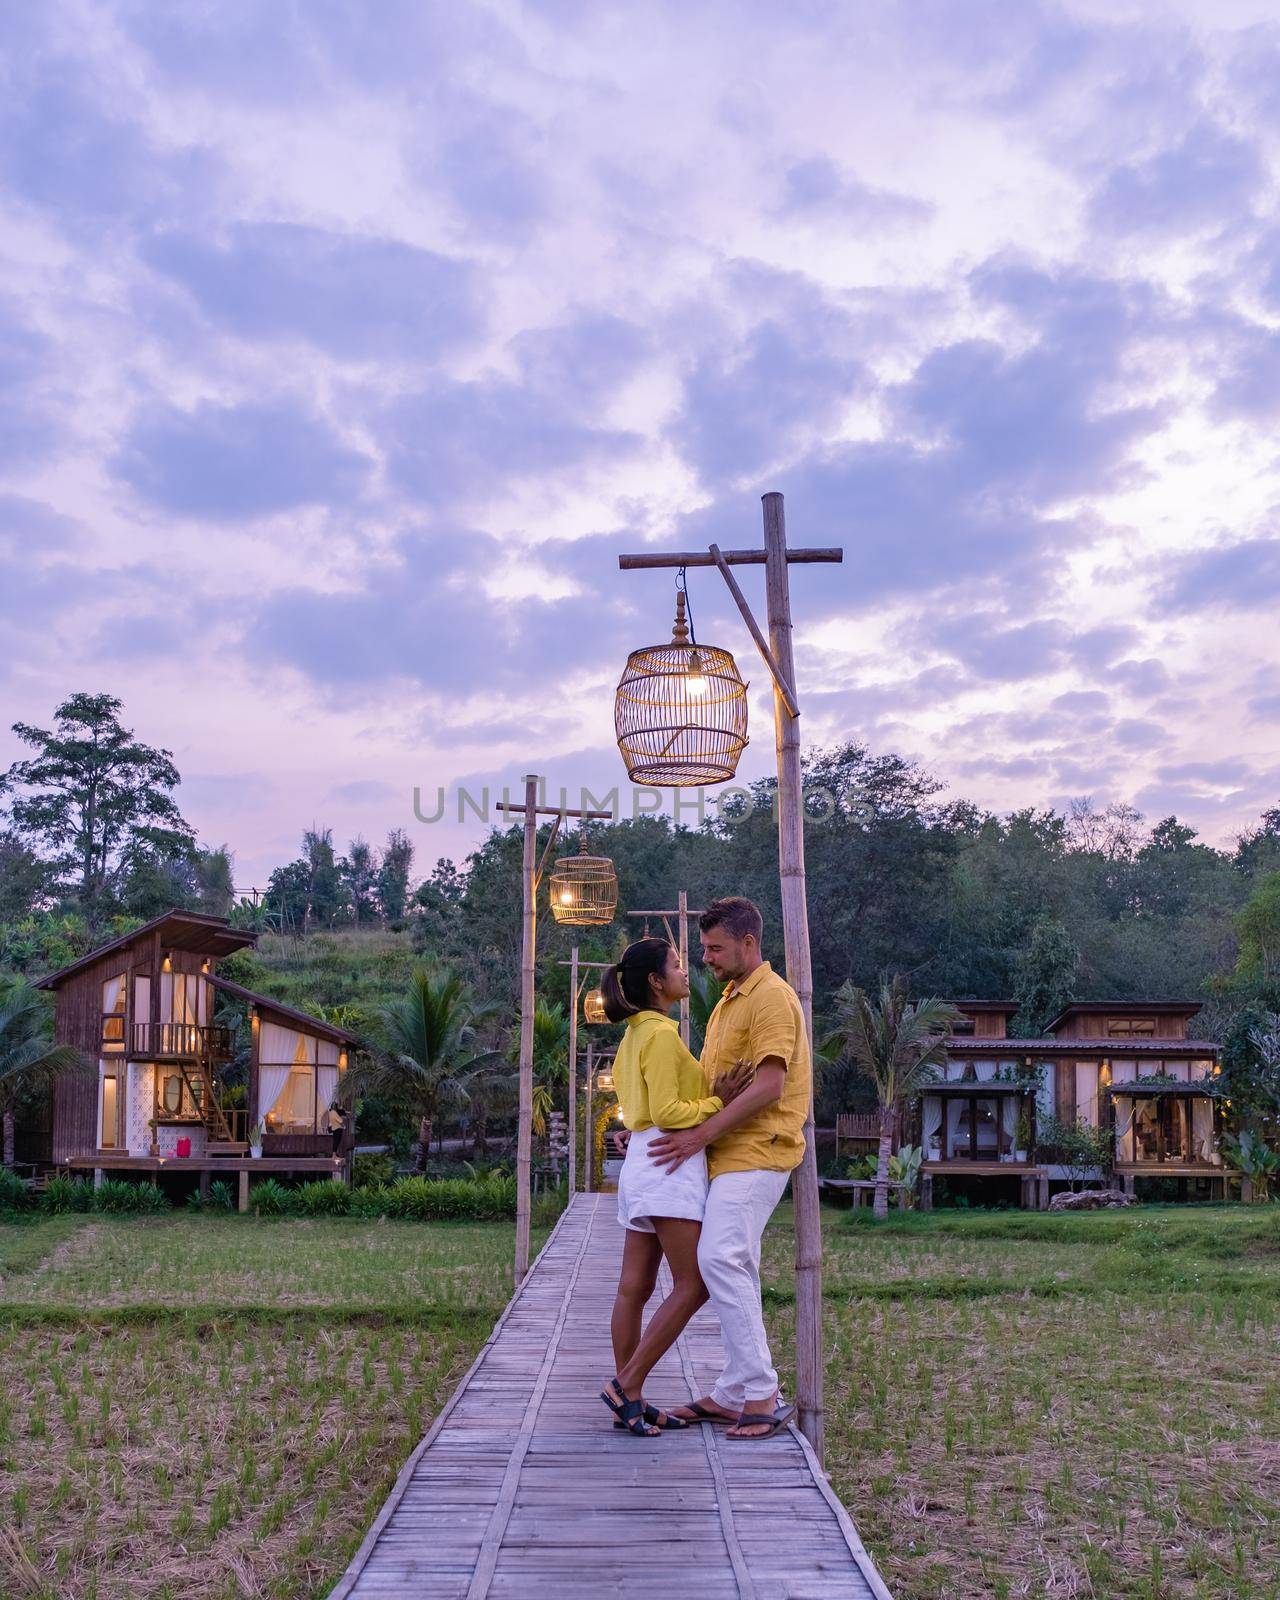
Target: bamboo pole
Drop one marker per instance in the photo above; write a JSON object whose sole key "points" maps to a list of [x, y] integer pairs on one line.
{"points": [[795, 934], [683, 925], [588, 1138], [573, 1070], [524, 1133]]}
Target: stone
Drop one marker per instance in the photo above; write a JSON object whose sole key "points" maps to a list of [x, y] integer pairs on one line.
{"points": [[1091, 1200]]}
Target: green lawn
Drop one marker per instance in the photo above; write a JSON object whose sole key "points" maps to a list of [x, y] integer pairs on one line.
{"points": [[1044, 1406], [1018, 1405]]}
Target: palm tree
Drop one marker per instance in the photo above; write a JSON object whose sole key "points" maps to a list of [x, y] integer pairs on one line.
{"points": [[705, 990], [429, 1049], [29, 1060], [898, 1046]]}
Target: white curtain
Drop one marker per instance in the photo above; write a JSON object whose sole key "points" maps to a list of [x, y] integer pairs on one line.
{"points": [[277, 1044], [202, 1002], [955, 1136], [1125, 1108], [1202, 1129], [1009, 1121], [272, 1080], [931, 1122], [326, 1053], [986, 1070], [326, 1088], [142, 1000], [1087, 1092]]}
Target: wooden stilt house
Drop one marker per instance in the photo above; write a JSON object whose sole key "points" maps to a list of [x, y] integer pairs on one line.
{"points": [[142, 1007]]}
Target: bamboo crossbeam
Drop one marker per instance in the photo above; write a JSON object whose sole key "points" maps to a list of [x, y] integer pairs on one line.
{"points": [[735, 558]]}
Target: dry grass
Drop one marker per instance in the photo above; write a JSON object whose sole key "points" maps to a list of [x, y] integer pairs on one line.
{"points": [[1020, 1410]]}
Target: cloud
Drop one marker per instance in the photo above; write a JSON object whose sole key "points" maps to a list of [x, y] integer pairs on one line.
{"points": [[226, 463], [816, 187], [27, 427], [363, 791], [753, 395], [356, 297], [465, 440], [1240, 576], [1205, 180], [65, 147]]}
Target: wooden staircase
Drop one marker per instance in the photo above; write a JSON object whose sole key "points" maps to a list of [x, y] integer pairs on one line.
{"points": [[220, 1139]]}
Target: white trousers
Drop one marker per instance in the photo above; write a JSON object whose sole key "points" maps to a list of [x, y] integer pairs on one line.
{"points": [[739, 1204]]}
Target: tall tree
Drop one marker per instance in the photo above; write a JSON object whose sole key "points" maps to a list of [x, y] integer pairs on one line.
{"points": [[24, 878], [898, 1046], [393, 875], [29, 1061], [90, 792], [359, 874], [324, 883], [215, 872]]}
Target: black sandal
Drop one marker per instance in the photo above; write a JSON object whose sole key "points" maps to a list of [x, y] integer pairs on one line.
{"points": [[630, 1414], [653, 1416], [782, 1414]]}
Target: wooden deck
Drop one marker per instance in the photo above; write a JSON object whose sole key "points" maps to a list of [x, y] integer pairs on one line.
{"points": [[523, 1489]]}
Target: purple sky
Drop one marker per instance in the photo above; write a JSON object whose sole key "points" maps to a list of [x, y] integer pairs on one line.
{"points": [[338, 358]]}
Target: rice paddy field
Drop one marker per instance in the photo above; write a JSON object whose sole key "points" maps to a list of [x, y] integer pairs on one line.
{"points": [[1017, 1405], [1055, 1406]]}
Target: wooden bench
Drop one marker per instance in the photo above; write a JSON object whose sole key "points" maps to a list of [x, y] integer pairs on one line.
{"points": [[863, 1190]]}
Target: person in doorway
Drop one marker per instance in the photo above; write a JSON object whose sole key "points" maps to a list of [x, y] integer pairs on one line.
{"points": [[660, 1087], [751, 1147]]}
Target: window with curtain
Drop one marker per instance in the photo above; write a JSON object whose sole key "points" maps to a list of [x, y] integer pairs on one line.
{"points": [[113, 1004]]}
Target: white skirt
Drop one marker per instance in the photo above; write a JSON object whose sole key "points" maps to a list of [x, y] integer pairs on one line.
{"points": [[647, 1190]]}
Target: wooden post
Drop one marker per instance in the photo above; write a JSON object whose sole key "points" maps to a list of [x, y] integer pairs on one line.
{"points": [[795, 936], [573, 1070], [588, 1137], [683, 924], [524, 1126]]}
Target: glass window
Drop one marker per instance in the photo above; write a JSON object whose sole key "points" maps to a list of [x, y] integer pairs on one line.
{"points": [[113, 992], [1131, 1027]]}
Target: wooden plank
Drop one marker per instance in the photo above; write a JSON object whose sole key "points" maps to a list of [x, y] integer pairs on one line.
{"points": [[523, 1489]]}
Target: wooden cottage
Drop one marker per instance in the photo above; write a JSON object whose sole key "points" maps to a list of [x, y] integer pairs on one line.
{"points": [[1124, 1066], [142, 1008]]}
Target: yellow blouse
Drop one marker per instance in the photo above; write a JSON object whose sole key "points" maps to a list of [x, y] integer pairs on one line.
{"points": [[658, 1083]]}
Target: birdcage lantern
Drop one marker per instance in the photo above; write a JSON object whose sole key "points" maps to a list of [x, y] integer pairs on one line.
{"points": [[593, 1007], [584, 889], [680, 710]]}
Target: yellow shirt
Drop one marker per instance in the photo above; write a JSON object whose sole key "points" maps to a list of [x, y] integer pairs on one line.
{"points": [[761, 1017], [658, 1083]]}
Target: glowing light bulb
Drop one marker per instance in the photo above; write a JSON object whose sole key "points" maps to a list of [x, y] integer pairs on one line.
{"points": [[694, 678], [566, 897]]}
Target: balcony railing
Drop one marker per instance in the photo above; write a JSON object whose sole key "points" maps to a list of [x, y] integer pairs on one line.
{"points": [[181, 1041]]}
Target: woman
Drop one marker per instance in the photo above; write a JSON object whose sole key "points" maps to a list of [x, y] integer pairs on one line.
{"points": [[659, 1086]]}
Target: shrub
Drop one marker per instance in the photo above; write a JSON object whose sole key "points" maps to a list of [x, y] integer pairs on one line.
{"points": [[63, 1194], [328, 1198], [548, 1206], [373, 1169], [221, 1197], [489, 1199], [270, 1198], [370, 1202], [119, 1196], [14, 1195]]}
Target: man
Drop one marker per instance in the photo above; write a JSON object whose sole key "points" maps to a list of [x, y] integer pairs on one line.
{"points": [[752, 1146]]}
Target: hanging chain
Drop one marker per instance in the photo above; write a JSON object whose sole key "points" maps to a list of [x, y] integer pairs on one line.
{"points": [[682, 587]]}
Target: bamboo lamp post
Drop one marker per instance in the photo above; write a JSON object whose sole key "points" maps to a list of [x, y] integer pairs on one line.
{"points": [[531, 874], [590, 1013], [776, 652]]}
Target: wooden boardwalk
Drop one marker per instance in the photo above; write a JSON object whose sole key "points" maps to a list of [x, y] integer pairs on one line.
{"points": [[522, 1489]]}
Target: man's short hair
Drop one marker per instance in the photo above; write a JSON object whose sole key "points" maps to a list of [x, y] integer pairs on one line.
{"points": [[736, 915]]}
